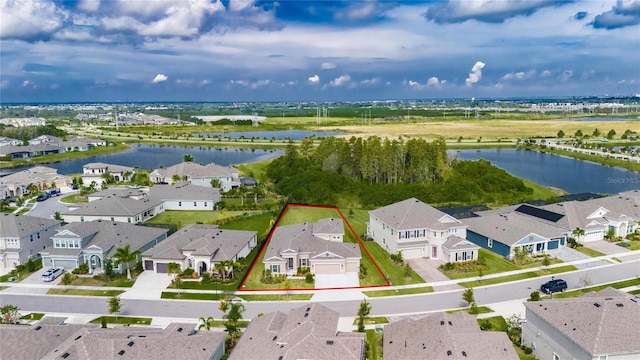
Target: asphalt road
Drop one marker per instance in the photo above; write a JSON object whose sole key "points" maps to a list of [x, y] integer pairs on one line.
{"points": [[388, 306], [46, 209]]}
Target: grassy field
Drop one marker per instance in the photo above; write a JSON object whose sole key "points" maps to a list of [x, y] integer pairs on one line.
{"points": [[120, 281], [541, 192], [122, 320], [81, 292], [590, 252], [256, 169], [182, 218], [409, 291]]}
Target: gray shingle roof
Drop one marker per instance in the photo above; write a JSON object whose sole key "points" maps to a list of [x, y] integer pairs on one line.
{"points": [[435, 335], [457, 243], [184, 191], [300, 238], [208, 240], [611, 327], [511, 227], [414, 214], [109, 235], [196, 170], [115, 206], [13, 225], [112, 168], [306, 332]]}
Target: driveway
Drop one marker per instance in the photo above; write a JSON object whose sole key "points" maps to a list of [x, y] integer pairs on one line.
{"points": [[428, 270], [567, 254], [148, 285], [329, 281], [35, 279]]}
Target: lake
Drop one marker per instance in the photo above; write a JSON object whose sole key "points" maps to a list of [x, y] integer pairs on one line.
{"points": [[571, 175], [152, 156], [276, 134]]}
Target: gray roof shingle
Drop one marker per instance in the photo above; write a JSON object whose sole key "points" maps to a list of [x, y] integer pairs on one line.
{"points": [[414, 214]]}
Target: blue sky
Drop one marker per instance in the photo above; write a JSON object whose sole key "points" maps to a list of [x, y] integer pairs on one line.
{"points": [[303, 50]]}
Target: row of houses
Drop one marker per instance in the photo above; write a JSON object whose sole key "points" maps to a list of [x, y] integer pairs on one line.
{"points": [[45, 145], [421, 231]]}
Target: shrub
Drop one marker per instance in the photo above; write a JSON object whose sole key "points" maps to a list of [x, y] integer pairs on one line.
{"points": [[624, 244], [206, 278], [535, 296], [81, 269], [309, 278], [187, 273]]}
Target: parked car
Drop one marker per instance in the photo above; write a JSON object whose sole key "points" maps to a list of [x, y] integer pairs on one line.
{"points": [[52, 274], [74, 186], [556, 285], [42, 197], [53, 192]]}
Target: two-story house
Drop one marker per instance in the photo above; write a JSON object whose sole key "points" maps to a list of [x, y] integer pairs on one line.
{"points": [[419, 231], [93, 242], [22, 237], [96, 171]]}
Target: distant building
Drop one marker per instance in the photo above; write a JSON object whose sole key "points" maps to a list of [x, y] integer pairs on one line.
{"points": [[95, 171], [306, 332], [200, 175], [595, 326], [17, 184], [454, 336]]}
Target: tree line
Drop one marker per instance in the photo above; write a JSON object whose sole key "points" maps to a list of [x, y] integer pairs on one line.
{"points": [[377, 172]]}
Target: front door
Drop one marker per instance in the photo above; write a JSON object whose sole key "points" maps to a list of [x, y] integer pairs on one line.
{"points": [[434, 252]]}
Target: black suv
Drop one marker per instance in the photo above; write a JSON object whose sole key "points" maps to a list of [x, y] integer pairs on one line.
{"points": [[557, 285]]}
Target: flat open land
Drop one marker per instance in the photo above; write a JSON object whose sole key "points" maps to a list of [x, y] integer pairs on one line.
{"points": [[490, 129]]}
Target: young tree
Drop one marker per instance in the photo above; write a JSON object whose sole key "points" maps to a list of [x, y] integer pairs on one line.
{"points": [[287, 286], [546, 261], [124, 255], [514, 329], [57, 216], [216, 183], [115, 305], [108, 268], [67, 279], [560, 134], [363, 311], [206, 324], [173, 268], [187, 158], [9, 314], [232, 319], [468, 296]]}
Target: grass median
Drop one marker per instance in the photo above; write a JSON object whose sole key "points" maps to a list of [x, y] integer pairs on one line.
{"points": [[83, 292], [516, 277]]}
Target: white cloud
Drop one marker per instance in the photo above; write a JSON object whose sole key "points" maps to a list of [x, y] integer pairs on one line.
{"points": [[292, 82], [521, 75], [565, 75], [4, 84], [89, 5], [340, 81], [159, 78], [370, 82], [476, 73], [27, 83], [204, 82], [545, 73], [414, 84], [328, 66], [239, 5], [314, 79], [435, 82], [29, 19]]}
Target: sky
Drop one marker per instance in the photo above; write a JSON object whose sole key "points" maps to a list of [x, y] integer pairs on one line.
{"points": [[304, 50]]}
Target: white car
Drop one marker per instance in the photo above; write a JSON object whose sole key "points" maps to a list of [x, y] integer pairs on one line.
{"points": [[52, 274]]}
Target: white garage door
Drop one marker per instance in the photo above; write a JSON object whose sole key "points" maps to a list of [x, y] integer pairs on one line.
{"points": [[412, 253], [327, 268]]}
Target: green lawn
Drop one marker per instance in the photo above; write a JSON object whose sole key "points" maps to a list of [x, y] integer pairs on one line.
{"points": [[374, 320], [481, 310], [374, 340], [277, 297], [119, 281], [122, 320], [81, 292], [541, 192], [32, 316], [516, 277], [634, 245], [301, 214], [256, 169], [73, 199], [409, 291], [590, 252], [494, 323], [192, 296], [182, 218]]}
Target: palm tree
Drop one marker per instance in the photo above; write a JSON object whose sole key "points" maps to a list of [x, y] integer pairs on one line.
{"points": [[207, 323], [173, 268], [124, 255], [577, 233], [242, 190], [222, 267], [232, 318]]}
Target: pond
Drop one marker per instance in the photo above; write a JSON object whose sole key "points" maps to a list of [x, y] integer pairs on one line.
{"points": [[571, 175], [276, 134], [152, 156]]}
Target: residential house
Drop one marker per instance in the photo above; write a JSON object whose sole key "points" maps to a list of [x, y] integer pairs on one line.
{"points": [[200, 175], [22, 237], [95, 171], [82, 144], [306, 332], [417, 230], [17, 184], [29, 151], [52, 338], [117, 207], [93, 242], [457, 249], [46, 139], [199, 247], [454, 336], [522, 226], [5, 141], [318, 247], [618, 214], [185, 196], [594, 326]]}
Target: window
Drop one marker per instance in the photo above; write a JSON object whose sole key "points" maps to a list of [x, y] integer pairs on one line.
{"points": [[275, 269], [601, 357], [81, 218], [195, 204], [179, 203], [112, 218], [38, 235], [128, 219], [290, 263], [304, 262], [205, 204], [490, 243], [556, 356], [31, 237]]}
